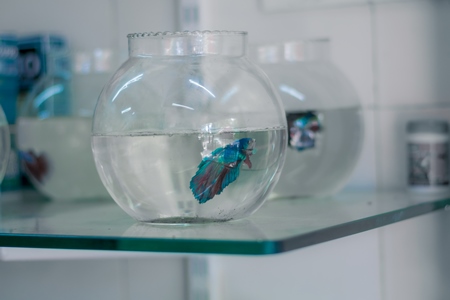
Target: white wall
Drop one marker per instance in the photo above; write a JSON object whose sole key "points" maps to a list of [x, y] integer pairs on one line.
{"points": [[88, 24], [392, 52], [108, 279], [341, 269]]}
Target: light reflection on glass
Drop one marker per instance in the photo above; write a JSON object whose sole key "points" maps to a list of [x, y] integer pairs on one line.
{"points": [[201, 86], [134, 79], [291, 91], [47, 93], [126, 110], [230, 93], [183, 106]]}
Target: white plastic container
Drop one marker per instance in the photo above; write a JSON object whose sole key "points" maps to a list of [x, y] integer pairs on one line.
{"points": [[428, 156]]}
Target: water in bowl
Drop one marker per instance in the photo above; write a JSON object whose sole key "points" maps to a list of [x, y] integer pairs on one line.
{"points": [[150, 175]]}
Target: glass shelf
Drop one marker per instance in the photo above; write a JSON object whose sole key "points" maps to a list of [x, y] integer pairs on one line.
{"points": [[29, 220]]}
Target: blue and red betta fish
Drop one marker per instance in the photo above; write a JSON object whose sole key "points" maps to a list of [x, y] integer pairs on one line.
{"points": [[217, 170]]}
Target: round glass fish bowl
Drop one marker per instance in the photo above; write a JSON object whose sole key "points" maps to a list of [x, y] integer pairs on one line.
{"points": [[4, 144], [323, 112], [54, 130], [188, 130]]}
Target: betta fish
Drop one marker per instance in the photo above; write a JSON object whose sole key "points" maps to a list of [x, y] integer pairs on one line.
{"points": [[303, 130], [217, 170]]}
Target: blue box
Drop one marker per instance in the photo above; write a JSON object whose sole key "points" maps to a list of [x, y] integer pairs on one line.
{"points": [[9, 76], [33, 52], [9, 90]]}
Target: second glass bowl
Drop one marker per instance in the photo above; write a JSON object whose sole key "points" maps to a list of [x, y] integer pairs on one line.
{"points": [[325, 124]]}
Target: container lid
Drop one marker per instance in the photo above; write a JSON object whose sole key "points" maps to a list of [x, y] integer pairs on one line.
{"points": [[427, 126]]}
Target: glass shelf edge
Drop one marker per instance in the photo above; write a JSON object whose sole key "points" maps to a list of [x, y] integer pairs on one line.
{"points": [[365, 224], [217, 244], [140, 245]]}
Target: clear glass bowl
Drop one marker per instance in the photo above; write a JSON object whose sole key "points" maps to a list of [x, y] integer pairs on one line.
{"points": [[4, 144], [323, 114], [188, 130], [54, 129]]}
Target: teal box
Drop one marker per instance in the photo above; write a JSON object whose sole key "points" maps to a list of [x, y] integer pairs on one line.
{"points": [[9, 89], [33, 53], [9, 76]]}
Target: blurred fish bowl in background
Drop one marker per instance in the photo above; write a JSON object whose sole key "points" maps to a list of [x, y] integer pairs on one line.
{"points": [[325, 125], [54, 124], [4, 144]]}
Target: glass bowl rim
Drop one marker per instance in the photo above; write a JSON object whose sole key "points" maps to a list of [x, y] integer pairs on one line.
{"points": [[187, 33]]}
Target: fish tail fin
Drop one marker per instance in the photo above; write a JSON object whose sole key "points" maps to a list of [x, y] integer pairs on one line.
{"points": [[211, 179]]}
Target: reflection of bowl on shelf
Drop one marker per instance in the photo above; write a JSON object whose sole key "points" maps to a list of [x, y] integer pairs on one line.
{"points": [[230, 231]]}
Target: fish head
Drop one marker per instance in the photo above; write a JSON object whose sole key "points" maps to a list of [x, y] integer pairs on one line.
{"points": [[245, 144]]}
